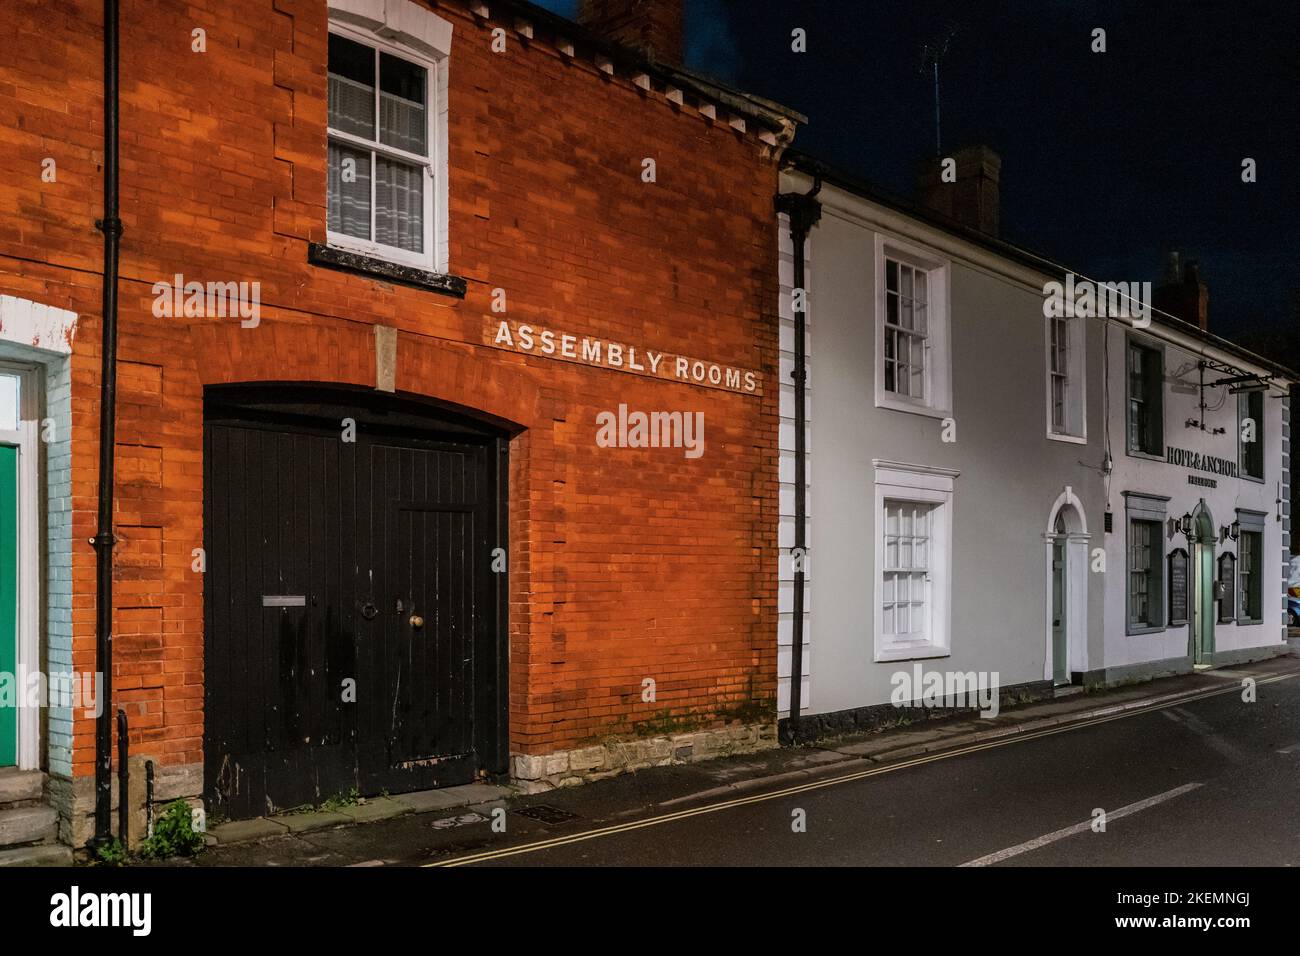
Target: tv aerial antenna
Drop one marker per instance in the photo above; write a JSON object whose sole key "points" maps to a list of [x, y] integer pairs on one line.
{"points": [[932, 52]]}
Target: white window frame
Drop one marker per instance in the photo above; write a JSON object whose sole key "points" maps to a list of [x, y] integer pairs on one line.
{"points": [[1076, 388], [937, 399], [26, 437], [898, 481], [417, 35]]}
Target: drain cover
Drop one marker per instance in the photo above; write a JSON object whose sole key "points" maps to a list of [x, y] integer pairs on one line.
{"points": [[547, 814]]}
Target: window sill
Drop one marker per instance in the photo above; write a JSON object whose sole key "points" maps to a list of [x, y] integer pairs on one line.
{"points": [[913, 408], [1133, 631], [1248, 621], [915, 653], [1072, 439], [355, 262], [1134, 453], [1245, 477]]}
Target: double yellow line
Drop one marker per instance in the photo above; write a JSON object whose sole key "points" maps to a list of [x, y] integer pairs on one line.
{"points": [[617, 828]]}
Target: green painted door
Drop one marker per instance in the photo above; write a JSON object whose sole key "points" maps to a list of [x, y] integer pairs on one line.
{"points": [[8, 605], [1060, 664]]}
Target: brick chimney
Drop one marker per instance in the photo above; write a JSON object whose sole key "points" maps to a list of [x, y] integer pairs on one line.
{"points": [[972, 198], [651, 27], [1183, 293]]}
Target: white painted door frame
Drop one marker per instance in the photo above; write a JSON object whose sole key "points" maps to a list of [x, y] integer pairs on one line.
{"points": [[1075, 539], [27, 438]]}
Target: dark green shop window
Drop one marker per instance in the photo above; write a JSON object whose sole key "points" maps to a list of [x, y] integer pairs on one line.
{"points": [[1146, 413]]}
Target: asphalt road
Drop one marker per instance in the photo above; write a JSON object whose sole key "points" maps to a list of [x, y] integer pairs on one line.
{"points": [[1209, 782]]}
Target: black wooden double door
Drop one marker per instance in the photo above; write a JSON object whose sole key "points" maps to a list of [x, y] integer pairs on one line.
{"points": [[354, 621]]}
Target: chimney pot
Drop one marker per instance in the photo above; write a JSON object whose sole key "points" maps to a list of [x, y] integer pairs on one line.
{"points": [[973, 199], [1173, 268], [1184, 294], [654, 28]]}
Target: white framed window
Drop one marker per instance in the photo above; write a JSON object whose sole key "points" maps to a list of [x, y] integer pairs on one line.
{"points": [[1066, 375], [913, 566], [907, 607], [386, 183], [913, 370]]}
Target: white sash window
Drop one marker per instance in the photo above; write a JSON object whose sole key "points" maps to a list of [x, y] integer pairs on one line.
{"points": [[913, 364], [906, 608], [386, 183], [913, 567]]}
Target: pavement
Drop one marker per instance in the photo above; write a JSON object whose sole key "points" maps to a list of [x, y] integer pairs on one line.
{"points": [[1183, 771]]}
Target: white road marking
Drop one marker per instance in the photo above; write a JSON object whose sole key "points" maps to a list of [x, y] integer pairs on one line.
{"points": [[1083, 827]]}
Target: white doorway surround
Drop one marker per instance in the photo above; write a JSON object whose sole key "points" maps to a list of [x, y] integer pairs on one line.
{"points": [[36, 341], [1066, 537], [20, 395]]}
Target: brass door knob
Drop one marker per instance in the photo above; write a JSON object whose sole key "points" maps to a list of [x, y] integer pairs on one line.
{"points": [[417, 621]]}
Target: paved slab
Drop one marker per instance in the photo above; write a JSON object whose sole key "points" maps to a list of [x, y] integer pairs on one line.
{"points": [[478, 792], [428, 801], [238, 831], [54, 854], [315, 820], [375, 808]]}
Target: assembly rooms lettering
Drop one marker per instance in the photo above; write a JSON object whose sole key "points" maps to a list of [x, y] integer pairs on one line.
{"points": [[620, 356]]}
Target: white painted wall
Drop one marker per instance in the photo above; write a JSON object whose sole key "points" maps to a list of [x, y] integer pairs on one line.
{"points": [[1137, 474], [1010, 474]]}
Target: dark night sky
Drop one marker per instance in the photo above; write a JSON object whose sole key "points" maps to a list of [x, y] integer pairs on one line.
{"points": [[1108, 159]]}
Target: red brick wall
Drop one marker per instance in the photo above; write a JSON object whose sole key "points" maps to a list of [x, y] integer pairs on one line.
{"points": [[625, 563]]}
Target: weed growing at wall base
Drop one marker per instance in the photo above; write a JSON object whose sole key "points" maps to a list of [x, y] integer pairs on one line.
{"points": [[173, 834]]}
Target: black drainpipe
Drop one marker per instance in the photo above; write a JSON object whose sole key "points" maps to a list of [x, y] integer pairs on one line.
{"points": [[803, 211], [123, 780], [111, 227]]}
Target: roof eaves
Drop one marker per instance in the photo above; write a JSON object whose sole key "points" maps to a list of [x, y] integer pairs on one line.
{"points": [[811, 165], [777, 118]]}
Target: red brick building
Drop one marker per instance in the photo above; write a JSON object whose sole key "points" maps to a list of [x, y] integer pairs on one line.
{"points": [[386, 268]]}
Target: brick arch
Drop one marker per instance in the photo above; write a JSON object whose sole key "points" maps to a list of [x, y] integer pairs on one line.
{"points": [[344, 353]]}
